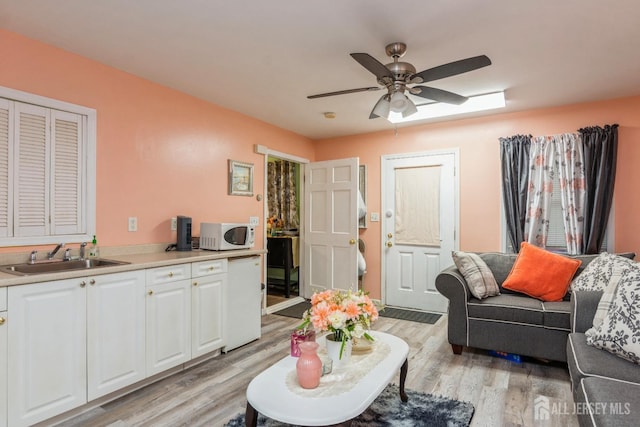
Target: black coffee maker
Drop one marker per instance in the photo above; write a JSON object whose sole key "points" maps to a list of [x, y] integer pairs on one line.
{"points": [[184, 233]]}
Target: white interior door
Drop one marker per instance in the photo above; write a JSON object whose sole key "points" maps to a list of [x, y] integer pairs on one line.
{"points": [[331, 225], [419, 221]]}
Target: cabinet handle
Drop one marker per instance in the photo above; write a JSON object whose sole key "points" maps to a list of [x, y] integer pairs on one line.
{"points": [[92, 282], [211, 268], [195, 283], [352, 241], [83, 284], [170, 274], [150, 292], [2, 320]]}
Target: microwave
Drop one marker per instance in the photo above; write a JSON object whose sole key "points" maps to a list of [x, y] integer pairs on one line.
{"points": [[224, 236]]}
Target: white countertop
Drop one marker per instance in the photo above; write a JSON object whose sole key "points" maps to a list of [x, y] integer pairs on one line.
{"points": [[137, 261]]}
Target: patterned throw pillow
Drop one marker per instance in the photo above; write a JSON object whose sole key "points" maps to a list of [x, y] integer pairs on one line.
{"points": [[607, 298], [619, 333], [475, 271], [598, 273]]}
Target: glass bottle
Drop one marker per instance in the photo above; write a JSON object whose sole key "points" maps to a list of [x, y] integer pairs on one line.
{"points": [[309, 365]]}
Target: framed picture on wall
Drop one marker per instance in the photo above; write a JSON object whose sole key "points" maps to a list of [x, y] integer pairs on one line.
{"points": [[240, 178]]}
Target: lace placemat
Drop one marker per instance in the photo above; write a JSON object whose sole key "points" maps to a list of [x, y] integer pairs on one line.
{"points": [[343, 379]]}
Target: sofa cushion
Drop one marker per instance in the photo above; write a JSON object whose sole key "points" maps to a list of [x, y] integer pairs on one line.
{"points": [[598, 273], [541, 274], [587, 361], [610, 291], [478, 276], [500, 265], [508, 308], [604, 402], [557, 315], [619, 332]]}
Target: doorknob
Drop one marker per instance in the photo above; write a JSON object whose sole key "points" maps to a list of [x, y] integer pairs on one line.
{"points": [[389, 235], [352, 241], [389, 244]]}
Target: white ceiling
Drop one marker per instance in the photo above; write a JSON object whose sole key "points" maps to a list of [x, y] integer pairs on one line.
{"points": [[262, 58]]}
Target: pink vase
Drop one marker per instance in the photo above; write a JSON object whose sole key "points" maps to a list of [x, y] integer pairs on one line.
{"points": [[309, 365]]}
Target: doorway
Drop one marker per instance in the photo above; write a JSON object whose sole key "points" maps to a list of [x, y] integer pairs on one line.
{"points": [[282, 225], [420, 218]]}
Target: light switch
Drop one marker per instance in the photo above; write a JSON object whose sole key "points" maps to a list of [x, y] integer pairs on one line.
{"points": [[375, 217], [253, 220]]}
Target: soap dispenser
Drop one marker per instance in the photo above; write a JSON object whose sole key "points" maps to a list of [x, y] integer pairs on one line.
{"points": [[93, 250]]}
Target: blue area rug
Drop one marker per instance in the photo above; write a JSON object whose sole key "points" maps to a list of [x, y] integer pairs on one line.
{"points": [[388, 410]]}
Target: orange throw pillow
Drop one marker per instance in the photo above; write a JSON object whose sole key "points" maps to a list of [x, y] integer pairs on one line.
{"points": [[541, 274]]}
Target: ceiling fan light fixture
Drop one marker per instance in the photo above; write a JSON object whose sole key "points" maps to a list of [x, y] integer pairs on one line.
{"points": [[411, 109], [399, 102], [382, 107]]}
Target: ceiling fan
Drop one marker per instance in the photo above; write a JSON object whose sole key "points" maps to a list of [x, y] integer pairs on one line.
{"points": [[397, 75]]}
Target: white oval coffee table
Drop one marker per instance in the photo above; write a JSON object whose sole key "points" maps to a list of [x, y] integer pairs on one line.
{"points": [[342, 395]]}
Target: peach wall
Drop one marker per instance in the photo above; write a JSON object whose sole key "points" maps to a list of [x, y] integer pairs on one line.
{"points": [[477, 141], [160, 153]]}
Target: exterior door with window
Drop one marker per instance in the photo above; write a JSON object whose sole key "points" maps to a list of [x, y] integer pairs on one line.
{"points": [[419, 222], [331, 225]]}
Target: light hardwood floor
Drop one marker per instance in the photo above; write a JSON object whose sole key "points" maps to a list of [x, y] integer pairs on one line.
{"points": [[209, 394]]}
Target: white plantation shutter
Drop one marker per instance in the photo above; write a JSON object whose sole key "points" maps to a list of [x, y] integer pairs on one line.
{"points": [[66, 196], [6, 136], [47, 170], [31, 197]]}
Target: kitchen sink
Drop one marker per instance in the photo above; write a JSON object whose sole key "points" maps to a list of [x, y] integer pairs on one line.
{"points": [[44, 267]]}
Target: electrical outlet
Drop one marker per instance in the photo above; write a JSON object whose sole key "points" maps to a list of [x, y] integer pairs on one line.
{"points": [[133, 223], [174, 223], [253, 220], [375, 217]]}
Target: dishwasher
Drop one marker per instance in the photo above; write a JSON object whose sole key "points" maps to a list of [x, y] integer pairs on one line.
{"points": [[244, 299]]}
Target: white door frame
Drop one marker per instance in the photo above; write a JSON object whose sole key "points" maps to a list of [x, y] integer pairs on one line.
{"points": [[261, 149], [456, 209]]}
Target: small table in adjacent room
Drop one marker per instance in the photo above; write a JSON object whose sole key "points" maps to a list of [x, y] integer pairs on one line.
{"points": [[341, 396], [283, 253]]}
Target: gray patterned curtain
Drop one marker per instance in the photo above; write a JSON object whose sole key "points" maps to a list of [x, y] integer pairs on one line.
{"points": [[514, 156], [281, 193], [600, 147]]}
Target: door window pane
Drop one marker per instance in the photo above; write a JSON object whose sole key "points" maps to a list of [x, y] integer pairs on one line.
{"points": [[417, 210]]}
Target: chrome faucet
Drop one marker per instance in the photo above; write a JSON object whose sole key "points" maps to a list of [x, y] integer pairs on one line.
{"points": [[51, 254], [67, 255], [83, 246], [32, 257]]}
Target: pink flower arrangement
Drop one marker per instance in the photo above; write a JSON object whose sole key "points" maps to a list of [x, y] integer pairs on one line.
{"points": [[347, 314]]}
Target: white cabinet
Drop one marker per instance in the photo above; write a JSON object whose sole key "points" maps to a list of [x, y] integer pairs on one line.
{"points": [[46, 350], [208, 292], [244, 297], [115, 331], [168, 318], [3, 366]]}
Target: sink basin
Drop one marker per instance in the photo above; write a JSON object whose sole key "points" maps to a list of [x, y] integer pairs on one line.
{"points": [[58, 266]]}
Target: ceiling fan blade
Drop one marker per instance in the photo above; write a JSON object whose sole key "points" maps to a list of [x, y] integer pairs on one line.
{"points": [[343, 92], [451, 69], [438, 95], [373, 65]]}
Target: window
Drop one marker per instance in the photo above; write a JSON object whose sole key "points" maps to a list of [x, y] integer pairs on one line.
{"points": [[556, 236], [47, 170]]}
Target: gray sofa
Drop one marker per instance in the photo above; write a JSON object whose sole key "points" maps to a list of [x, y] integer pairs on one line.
{"points": [[510, 322], [606, 388]]}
